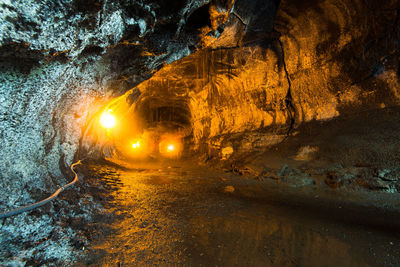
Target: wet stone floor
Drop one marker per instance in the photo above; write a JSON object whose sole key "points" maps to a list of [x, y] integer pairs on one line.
{"points": [[170, 214]]}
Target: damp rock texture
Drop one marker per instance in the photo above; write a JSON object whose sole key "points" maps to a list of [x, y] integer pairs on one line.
{"points": [[60, 62], [285, 64]]}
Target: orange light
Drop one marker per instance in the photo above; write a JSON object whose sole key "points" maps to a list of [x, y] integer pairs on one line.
{"points": [[171, 146], [136, 145], [108, 120]]}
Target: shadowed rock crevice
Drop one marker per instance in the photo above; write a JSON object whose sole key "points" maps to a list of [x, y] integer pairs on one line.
{"points": [[288, 99]]}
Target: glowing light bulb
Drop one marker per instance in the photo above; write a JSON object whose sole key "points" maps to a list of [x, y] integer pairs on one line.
{"points": [[170, 146], [136, 145], [108, 120]]}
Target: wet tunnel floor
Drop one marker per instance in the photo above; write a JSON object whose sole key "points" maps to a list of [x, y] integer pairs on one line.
{"points": [[184, 215]]}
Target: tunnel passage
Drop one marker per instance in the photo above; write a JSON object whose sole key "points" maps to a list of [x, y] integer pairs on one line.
{"points": [[142, 124], [266, 75], [312, 62], [169, 114], [216, 74]]}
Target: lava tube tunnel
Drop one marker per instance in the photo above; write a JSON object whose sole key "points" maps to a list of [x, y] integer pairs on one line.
{"points": [[200, 133], [138, 127]]}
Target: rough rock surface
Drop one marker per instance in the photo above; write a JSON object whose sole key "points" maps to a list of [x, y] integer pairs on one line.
{"points": [[313, 61], [319, 60], [60, 61]]}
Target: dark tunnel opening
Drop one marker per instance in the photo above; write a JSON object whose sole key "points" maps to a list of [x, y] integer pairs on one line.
{"points": [[169, 119], [176, 115], [199, 18]]}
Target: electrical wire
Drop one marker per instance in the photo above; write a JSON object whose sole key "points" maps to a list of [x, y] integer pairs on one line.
{"points": [[44, 201]]}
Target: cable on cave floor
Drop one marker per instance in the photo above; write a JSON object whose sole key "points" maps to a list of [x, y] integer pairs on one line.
{"points": [[44, 201]]}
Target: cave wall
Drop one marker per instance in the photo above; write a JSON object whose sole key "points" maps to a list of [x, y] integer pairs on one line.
{"points": [[340, 54], [226, 91], [40, 125], [316, 61], [258, 70], [242, 74], [60, 62]]}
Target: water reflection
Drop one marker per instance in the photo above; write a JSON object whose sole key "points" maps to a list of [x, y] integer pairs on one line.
{"points": [[182, 216]]}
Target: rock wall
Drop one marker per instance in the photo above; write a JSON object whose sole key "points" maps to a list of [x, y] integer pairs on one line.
{"points": [[40, 126], [225, 91], [317, 61], [60, 61], [260, 69], [340, 54]]}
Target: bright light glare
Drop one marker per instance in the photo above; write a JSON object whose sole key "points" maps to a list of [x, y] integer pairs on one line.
{"points": [[171, 148], [108, 120], [136, 145]]}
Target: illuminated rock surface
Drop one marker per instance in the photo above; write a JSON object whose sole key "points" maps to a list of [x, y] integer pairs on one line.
{"points": [[239, 77], [335, 65], [58, 59]]}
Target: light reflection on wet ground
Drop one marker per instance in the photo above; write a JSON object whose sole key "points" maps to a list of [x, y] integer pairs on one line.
{"points": [[166, 215]]}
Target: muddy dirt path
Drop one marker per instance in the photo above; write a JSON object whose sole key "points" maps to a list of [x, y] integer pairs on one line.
{"points": [[182, 215]]}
